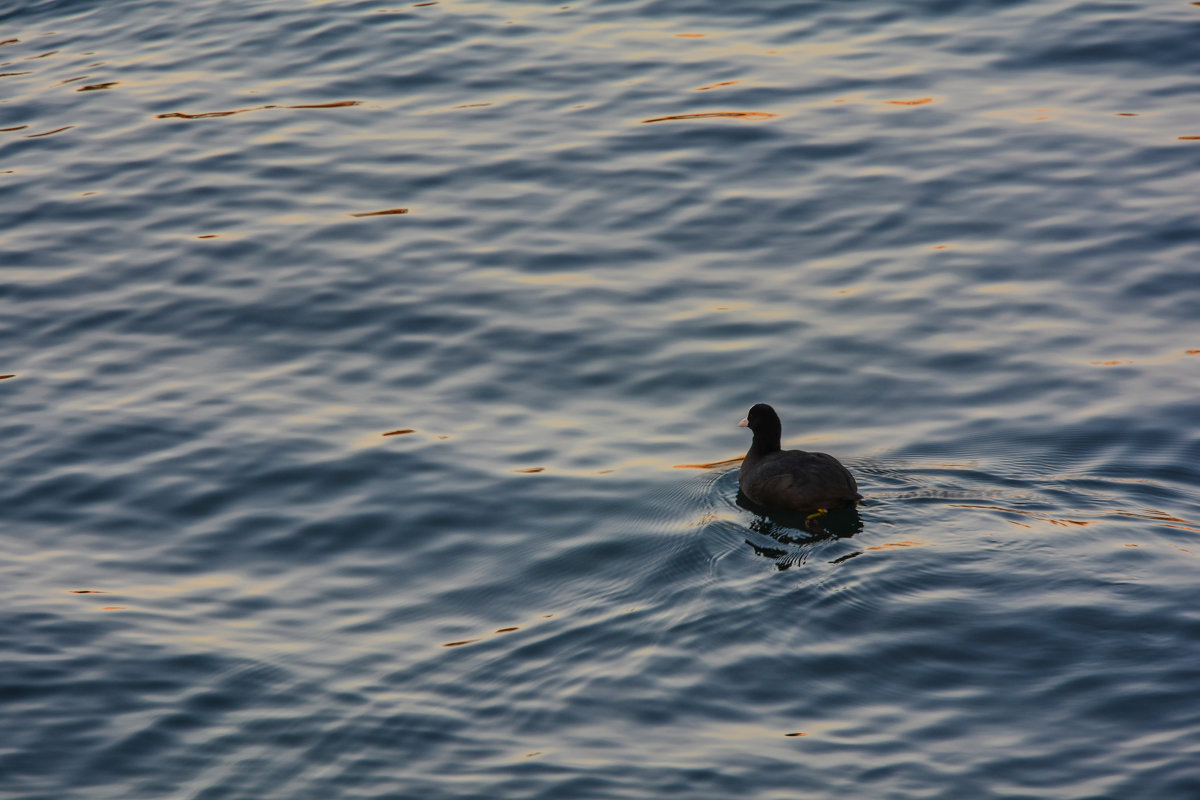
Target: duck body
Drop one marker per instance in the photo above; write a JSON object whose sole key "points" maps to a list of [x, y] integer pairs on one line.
{"points": [[792, 480]]}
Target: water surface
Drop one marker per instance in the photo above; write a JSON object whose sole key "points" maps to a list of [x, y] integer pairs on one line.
{"points": [[371, 373]]}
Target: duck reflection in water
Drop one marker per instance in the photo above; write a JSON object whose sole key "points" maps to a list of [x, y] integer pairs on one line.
{"points": [[797, 531]]}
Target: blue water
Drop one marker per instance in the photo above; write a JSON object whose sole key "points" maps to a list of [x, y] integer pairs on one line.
{"points": [[302, 500]]}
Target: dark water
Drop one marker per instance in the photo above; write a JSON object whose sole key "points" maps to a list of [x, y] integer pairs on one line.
{"points": [[955, 244]]}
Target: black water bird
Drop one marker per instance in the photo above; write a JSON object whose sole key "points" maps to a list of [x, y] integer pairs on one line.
{"points": [[792, 480]]}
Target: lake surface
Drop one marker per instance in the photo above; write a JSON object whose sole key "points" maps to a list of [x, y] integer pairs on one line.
{"points": [[371, 373]]}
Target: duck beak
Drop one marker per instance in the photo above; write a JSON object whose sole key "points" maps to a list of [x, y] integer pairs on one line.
{"points": [[745, 423]]}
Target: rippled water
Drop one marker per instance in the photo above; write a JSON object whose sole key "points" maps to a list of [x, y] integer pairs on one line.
{"points": [[371, 373]]}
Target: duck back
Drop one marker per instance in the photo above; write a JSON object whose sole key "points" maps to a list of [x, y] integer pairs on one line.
{"points": [[797, 480]]}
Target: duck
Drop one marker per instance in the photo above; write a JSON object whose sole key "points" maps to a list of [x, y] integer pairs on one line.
{"points": [[790, 480]]}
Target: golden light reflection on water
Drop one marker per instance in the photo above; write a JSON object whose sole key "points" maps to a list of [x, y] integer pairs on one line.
{"points": [[560, 279], [461, 642], [230, 113], [201, 583], [1024, 114], [750, 115], [1168, 520], [49, 133], [385, 212], [899, 545], [1073, 117], [709, 309], [203, 586], [728, 462], [1166, 358], [496, 632], [497, 100]]}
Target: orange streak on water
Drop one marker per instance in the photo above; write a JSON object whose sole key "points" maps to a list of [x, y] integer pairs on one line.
{"points": [[711, 465], [1158, 516], [383, 213], [48, 133], [1167, 520], [205, 114], [211, 114], [507, 629], [338, 104], [709, 114], [1162, 359], [898, 545]]}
